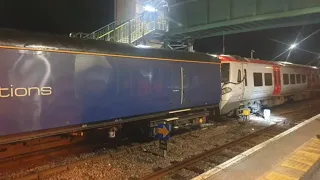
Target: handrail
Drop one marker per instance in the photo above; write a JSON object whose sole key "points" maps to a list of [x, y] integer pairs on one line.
{"points": [[131, 30]]}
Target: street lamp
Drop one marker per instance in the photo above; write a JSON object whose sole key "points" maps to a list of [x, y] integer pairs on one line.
{"points": [[142, 46], [293, 46], [149, 8], [252, 51]]}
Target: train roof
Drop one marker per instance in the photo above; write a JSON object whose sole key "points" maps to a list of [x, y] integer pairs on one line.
{"points": [[47, 42], [234, 58]]}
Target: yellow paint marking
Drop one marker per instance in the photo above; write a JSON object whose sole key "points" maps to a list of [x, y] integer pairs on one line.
{"points": [[288, 171], [313, 156], [314, 146], [315, 142], [296, 165], [303, 159], [311, 150], [277, 176]]}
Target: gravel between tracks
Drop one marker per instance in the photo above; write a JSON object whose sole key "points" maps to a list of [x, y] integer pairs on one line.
{"points": [[141, 163]]}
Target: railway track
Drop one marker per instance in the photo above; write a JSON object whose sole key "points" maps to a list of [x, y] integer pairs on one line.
{"points": [[223, 153], [88, 161], [37, 158], [173, 171], [209, 159]]}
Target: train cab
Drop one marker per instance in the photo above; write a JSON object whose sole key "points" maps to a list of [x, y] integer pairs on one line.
{"points": [[244, 83], [233, 80]]}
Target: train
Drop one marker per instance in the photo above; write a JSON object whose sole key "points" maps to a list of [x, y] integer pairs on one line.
{"points": [[56, 85], [51, 85], [256, 84]]}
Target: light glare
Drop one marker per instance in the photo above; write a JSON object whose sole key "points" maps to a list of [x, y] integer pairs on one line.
{"points": [[293, 46], [143, 46], [149, 8], [286, 62]]}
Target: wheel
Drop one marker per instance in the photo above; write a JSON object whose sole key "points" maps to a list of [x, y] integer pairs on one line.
{"points": [[243, 119]]}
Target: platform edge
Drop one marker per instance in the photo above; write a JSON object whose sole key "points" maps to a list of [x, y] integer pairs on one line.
{"points": [[251, 151]]}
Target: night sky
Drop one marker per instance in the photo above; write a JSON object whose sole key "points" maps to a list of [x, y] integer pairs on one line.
{"points": [[56, 16], [264, 45], [65, 16]]}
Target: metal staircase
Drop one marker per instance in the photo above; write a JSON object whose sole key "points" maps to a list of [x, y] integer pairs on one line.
{"points": [[129, 32]]}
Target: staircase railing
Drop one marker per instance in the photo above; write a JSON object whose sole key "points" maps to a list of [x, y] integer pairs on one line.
{"points": [[130, 31]]}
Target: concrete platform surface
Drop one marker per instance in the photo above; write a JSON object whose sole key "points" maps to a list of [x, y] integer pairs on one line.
{"points": [[290, 155]]}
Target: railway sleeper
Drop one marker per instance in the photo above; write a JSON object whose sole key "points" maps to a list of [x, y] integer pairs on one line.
{"points": [[278, 131], [239, 149], [253, 142], [226, 155], [16, 149], [213, 161], [246, 144], [218, 159], [178, 177], [195, 169], [270, 135]]}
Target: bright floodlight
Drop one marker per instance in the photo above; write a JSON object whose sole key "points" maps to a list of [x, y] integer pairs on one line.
{"points": [[149, 8], [293, 46], [143, 46], [285, 62]]}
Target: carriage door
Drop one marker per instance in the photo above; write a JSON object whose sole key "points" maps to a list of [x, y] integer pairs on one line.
{"points": [[309, 80], [176, 84], [277, 80]]}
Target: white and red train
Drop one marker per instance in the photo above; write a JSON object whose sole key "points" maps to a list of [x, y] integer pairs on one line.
{"points": [[253, 84]]}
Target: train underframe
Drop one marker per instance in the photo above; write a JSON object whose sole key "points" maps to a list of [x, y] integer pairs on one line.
{"points": [[256, 106], [138, 128]]}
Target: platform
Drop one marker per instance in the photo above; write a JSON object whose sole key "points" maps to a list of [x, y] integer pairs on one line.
{"points": [[291, 155]]}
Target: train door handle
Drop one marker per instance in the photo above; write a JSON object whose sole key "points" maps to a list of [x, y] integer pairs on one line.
{"points": [[176, 90]]}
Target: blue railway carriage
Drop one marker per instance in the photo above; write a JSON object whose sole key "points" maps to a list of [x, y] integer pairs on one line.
{"points": [[51, 82]]}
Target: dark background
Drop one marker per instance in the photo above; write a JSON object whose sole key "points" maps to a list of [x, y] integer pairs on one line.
{"points": [[265, 46], [65, 16], [56, 16]]}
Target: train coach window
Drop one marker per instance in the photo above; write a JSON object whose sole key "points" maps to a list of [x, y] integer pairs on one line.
{"points": [[304, 78], [257, 79], [268, 79], [285, 79], [245, 79], [225, 72], [298, 79], [292, 79], [239, 76]]}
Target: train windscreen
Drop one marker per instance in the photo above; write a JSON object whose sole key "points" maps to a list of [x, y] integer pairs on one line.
{"points": [[225, 72]]}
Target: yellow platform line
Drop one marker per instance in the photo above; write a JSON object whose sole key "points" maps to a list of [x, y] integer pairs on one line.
{"points": [[296, 165]]}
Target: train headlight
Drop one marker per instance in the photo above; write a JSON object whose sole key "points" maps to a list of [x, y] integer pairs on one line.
{"points": [[226, 90]]}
